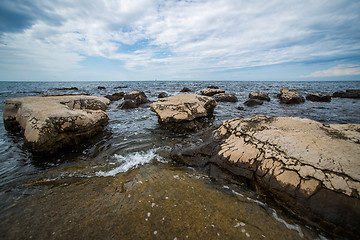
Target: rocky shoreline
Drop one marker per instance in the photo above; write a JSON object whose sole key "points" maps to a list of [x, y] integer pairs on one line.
{"points": [[311, 168]]}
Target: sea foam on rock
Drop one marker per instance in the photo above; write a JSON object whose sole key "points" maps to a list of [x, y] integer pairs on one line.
{"points": [[51, 122], [312, 168], [183, 112]]}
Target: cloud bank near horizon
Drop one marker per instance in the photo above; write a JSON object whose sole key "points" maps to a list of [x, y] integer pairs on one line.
{"points": [[169, 39]]}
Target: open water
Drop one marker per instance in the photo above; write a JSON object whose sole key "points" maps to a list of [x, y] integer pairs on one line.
{"points": [[121, 184]]}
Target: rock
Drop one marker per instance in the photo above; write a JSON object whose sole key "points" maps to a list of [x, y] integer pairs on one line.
{"points": [[183, 112], [350, 93], [185, 89], [115, 96], [138, 96], [225, 97], [128, 104], [312, 168], [51, 122], [240, 108], [162, 95], [259, 95], [290, 96], [101, 88], [253, 102], [213, 87], [318, 97], [211, 92], [66, 89], [120, 87]]}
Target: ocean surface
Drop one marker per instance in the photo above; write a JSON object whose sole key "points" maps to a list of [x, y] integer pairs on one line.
{"points": [[121, 184]]}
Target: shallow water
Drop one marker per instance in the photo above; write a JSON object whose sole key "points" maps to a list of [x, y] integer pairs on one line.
{"points": [[106, 187]]}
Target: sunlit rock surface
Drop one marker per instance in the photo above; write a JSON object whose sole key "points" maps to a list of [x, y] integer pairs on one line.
{"points": [[313, 168], [51, 122], [183, 111]]}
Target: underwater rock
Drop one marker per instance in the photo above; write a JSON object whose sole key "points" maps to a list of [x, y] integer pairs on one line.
{"points": [[253, 102], [350, 93]]}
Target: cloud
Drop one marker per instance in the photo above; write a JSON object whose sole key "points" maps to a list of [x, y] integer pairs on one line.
{"points": [[339, 70], [172, 37]]}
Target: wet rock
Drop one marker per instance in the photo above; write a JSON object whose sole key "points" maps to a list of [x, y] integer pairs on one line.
{"points": [[120, 87], [259, 95], [213, 87], [185, 89], [138, 96], [51, 122], [128, 104], [101, 88], [115, 96], [290, 96], [318, 97], [312, 168], [350, 93], [240, 108], [162, 95], [211, 92], [253, 102], [66, 89], [225, 97], [183, 112]]}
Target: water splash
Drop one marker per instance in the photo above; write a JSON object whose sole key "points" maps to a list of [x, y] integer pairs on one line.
{"points": [[130, 161]]}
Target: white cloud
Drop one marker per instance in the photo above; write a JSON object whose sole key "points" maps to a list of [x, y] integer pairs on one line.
{"points": [[339, 70], [193, 36]]}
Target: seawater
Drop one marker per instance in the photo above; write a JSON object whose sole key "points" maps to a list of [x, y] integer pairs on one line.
{"points": [[121, 184]]}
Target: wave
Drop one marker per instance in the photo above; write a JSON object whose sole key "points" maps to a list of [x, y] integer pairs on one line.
{"points": [[131, 161]]}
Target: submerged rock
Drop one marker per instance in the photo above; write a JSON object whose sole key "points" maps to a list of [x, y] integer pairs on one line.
{"points": [[51, 122], [183, 112], [314, 169], [290, 96], [211, 91], [259, 95], [318, 97], [225, 97], [115, 96], [253, 102], [350, 93], [101, 87]]}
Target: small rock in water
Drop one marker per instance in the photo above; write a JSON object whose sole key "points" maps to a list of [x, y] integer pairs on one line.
{"points": [[253, 102]]}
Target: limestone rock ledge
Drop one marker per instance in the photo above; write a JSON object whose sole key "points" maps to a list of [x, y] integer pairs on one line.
{"points": [[51, 122], [183, 112], [312, 168]]}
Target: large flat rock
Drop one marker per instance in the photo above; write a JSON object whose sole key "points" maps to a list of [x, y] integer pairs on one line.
{"points": [[51, 122], [313, 168], [183, 111]]}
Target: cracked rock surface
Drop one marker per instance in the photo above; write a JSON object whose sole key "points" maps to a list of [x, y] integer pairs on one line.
{"points": [[313, 168], [51, 122], [183, 111]]}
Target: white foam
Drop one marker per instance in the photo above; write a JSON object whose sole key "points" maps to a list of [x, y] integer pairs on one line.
{"points": [[130, 161], [288, 225]]}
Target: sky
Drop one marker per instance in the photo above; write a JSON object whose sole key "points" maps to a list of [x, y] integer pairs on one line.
{"points": [[107, 40]]}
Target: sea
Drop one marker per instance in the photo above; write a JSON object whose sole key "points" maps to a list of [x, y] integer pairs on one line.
{"points": [[122, 184]]}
